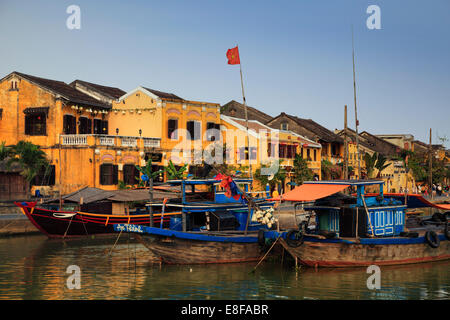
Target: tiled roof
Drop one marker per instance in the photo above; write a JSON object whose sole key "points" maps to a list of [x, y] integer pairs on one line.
{"points": [[164, 95], [313, 130], [252, 113], [379, 145], [63, 89], [111, 92]]}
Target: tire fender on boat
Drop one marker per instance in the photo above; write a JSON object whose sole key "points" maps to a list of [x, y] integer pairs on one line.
{"points": [[261, 238], [447, 232], [432, 238], [298, 241]]}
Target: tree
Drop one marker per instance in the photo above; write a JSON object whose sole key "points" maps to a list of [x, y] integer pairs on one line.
{"points": [[370, 161], [173, 173], [278, 177], [300, 171], [5, 151], [325, 168], [381, 164], [29, 157]]}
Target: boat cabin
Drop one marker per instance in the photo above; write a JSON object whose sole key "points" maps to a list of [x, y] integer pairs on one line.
{"points": [[356, 215], [206, 205]]}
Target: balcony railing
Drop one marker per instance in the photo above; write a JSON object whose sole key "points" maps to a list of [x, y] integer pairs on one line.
{"points": [[74, 139], [107, 141], [110, 141], [152, 143], [129, 142]]}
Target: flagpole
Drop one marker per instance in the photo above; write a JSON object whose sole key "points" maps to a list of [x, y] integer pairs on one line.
{"points": [[246, 123]]}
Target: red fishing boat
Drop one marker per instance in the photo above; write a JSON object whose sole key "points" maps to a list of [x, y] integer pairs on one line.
{"points": [[69, 224]]}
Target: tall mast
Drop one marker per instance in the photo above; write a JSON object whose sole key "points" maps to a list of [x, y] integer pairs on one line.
{"points": [[430, 178], [356, 113], [345, 145]]}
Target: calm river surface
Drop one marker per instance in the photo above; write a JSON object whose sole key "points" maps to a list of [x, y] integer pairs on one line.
{"points": [[33, 267]]}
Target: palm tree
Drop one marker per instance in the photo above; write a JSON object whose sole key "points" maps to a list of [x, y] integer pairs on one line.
{"points": [[173, 172], [375, 161], [149, 175], [370, 161], [29, 157], [381, 164]]}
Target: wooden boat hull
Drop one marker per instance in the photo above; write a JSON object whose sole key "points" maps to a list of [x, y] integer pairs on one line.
{"points": [[183, 251], [325, 253], [178, 247], [65, 224]]}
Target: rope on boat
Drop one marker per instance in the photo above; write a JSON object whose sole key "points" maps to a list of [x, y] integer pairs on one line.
{"points": [[273, 244]]}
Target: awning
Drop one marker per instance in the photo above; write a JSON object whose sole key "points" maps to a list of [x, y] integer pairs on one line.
{"points": [[311, 192], [36, 110]]}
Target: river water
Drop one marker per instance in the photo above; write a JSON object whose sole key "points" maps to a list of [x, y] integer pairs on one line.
{"points": [[33, 267]]}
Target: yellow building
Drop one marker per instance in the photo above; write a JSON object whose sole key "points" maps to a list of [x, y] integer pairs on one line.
{"points": [[72, 128], [181, 125], [267, 144]]}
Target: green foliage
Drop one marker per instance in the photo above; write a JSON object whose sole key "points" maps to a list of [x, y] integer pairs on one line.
{"points": [[278, 177], [173, 173], [5, 151], [381, 164], [122, 186], [148, 171], [375, 161], [325, 168], [300, 171], [29, 157]]}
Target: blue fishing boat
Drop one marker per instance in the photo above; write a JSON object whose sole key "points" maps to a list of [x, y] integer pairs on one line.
{"points": [[352, 231], [217, 230]]}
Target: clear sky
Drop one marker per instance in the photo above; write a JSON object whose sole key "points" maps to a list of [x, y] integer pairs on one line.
{"points": [[296, 55]]}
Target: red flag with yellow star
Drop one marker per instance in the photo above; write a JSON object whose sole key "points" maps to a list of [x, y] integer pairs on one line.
{"points": [[233, 56]]}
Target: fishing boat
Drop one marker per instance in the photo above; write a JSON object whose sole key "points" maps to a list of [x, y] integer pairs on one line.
{"points": [[217, 231], [359, 231], [70, 224]]}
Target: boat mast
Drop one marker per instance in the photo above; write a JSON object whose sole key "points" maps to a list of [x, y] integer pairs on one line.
{"points": [[430, 178], [356, 113], [345, 145]]}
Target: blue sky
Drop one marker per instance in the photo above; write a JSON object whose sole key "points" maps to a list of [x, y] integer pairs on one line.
{"points": [[295, 55]]}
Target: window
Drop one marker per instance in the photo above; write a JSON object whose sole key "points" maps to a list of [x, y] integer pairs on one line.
{"points": [[308, 154], [284, 126], [108, 174], [84, 125], [315, 155], [213, 131], [69, 124], [35, 124], [244, 154], [130, 174], [1, 113], [282, 151], [193, 127], [172, 126], [100, 126], [45, 177]]}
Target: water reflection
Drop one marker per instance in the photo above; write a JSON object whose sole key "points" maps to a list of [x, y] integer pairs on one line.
{"points": [[35, 268]]}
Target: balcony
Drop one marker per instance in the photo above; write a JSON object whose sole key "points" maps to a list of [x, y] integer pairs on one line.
{"points": [[109, 141]]}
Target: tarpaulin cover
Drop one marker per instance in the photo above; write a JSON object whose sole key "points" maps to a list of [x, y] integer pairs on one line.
{"points": [[311, 192], [414, 200]]}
